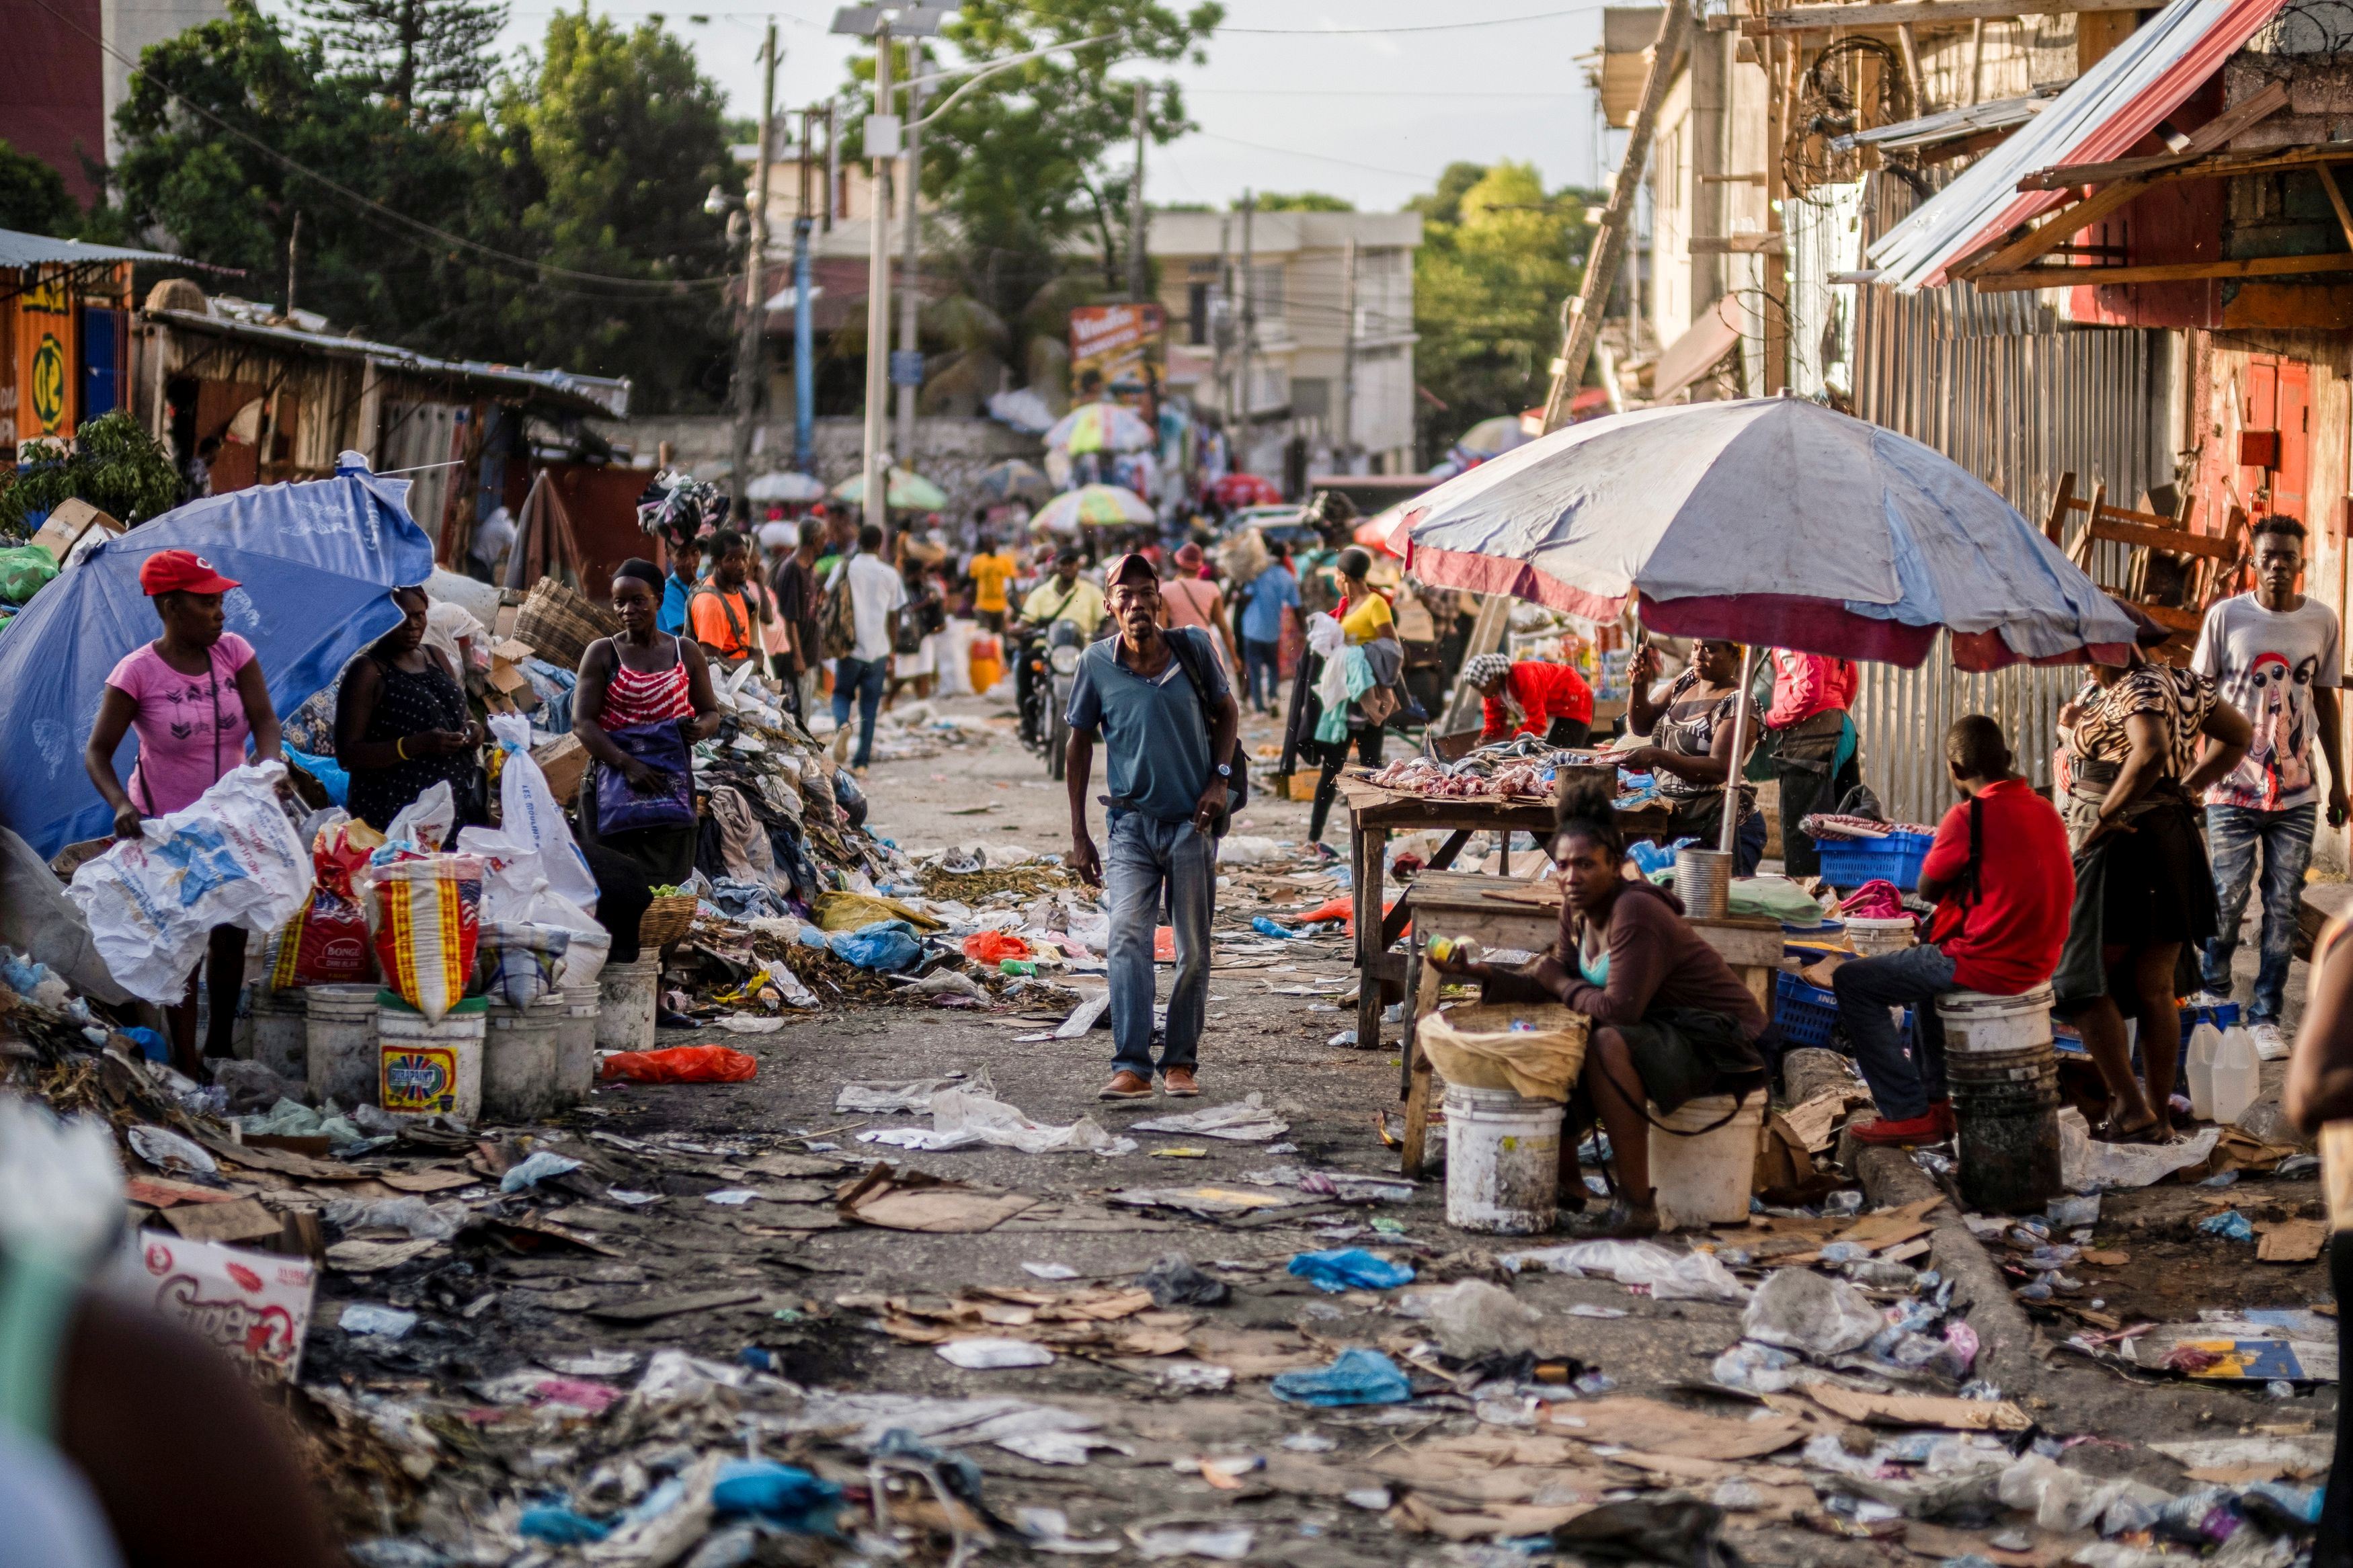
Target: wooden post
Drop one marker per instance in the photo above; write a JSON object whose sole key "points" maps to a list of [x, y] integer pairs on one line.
{"points": [[1781, 77], [1419, 1077], [2054, 526], [2099, 32], [1583, 321]]}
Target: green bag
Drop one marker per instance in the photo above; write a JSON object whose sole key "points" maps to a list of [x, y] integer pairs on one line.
{"points": [[24, 570]]}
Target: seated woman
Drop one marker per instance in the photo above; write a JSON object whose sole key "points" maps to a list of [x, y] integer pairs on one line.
{"points": [[1671, 1022], [1690, 731]]}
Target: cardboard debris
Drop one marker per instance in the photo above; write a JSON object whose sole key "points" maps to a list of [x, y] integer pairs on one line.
{"points": [[2249, 1458], [1210, 1202], [1943, 1542], [1816, 1121], [67, 522], [2291, 1241], [255, 1307], [565, 760], [370, 1257], [1254, 1353], [1657, 1429], [162, 1193], [1120, 1321], [895, 1199], [653, 1309], [433, 1178], [254, 1158], [1920, 1410], [241, 1219], [1417, 1515]]}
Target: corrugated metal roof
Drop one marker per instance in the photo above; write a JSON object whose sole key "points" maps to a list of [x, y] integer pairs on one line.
{"points": [[1947, 126], [39, 250], [587, 394], [2100, 117]]}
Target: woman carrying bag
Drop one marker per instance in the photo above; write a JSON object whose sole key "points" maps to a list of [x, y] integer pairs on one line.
{"points": [[643, 700]]}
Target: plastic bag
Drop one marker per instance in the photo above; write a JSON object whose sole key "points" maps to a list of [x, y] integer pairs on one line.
{"points": [[668, 801], [428, 914], [531, 816], [1350, 1269], [326, 943], [333, 776], [515, 963], [683, 1064], [1534, 1050], [24, 570], [888, 945], [1802, 1311], [426, 822], [993, 947], [232, 858], [1357, 1376]]}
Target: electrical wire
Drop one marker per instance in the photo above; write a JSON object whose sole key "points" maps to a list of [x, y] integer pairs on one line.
{"points": [[1417, 28], [1319, 157]]}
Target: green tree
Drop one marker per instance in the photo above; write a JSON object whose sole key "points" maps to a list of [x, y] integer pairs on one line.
{"points": [[1498, 258], [114, 465], [424, 55], [1303, 202], [34, 198]]}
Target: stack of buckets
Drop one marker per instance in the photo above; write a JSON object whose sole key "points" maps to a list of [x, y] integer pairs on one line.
{"points": [[2005, 1083]]}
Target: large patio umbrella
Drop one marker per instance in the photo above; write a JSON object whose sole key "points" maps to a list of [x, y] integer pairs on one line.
{"points": [[1769, 521], [1014, 480], [904, 491], [317, 561], [785, 485], [1101, 428], [1094, 506]]}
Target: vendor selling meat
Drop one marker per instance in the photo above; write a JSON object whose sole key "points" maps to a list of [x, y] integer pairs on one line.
{"points": [[1530, 696], [1691, 752], [1671, 1022]]}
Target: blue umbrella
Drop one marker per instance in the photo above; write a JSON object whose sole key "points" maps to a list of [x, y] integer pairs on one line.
{"points": [[318, 562]]}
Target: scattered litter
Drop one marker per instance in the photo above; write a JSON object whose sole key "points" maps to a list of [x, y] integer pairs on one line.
{"points": [[1357, 1377], [2086, 1165], [965, 1117], [874, 1099], [535, 1170], [1671, 1276], [1350, 1269], [1173, 1281], [1244, 1121], [993, 1354], [1050, 1271], [1473, 1317], [365, 1318], [734, 1197], [1802, 1311], [1221, 1542]]}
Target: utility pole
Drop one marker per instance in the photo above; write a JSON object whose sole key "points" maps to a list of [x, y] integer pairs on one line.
{"points": [[1780, 105], [293, 261], [1582, 319], [834, 199], [804, 371], [1346, 443], [1222, 305], [1248, 332], [881, 146], [1139, 275], [756, 284], [910, 189]]}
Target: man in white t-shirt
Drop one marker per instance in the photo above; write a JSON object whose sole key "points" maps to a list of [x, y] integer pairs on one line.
{"points": [[876, 597], [2275, 653]]}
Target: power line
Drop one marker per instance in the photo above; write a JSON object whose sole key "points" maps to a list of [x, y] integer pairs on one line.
{"points": [[1320, 157], [1421, 27]]}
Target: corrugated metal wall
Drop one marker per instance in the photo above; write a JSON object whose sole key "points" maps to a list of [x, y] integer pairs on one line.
{"points": [[2001, 386]]}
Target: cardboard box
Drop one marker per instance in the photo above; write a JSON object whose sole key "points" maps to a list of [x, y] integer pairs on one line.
{"points": [[564, 760], [507, 676], [65, 526], [1301, 785], [254, 1306]]}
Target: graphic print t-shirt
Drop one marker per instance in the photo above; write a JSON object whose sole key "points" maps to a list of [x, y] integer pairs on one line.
{"points": [[2267, 663]]}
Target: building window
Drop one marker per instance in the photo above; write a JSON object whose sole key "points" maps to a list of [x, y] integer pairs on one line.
{"points": [[1311, 397], [1266, 292], [1196, 314]]}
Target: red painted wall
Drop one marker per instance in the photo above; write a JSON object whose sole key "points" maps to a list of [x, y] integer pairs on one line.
{"points": [[54, 107]]}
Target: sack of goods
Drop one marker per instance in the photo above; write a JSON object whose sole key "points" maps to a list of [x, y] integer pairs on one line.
{"points": [[326, 943], [427, 913]]}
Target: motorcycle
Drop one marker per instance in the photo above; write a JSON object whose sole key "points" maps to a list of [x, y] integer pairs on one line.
{"points": [[1032, 680], [1064, 645]]}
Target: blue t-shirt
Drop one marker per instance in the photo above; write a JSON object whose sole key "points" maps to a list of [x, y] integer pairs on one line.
{"points": [[671, 617], [1268, 592], [1156, 737]]}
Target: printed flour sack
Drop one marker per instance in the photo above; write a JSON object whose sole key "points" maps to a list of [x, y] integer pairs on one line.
{"points": [[427, 913], [326, 943]]}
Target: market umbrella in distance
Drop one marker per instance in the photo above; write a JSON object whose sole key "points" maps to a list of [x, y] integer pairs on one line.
{"points": [[1494, 437], [905, 492], [316, 561], [785, 485], [1245, 489], [1014, 480], [1094, 506], [1101, 428]]}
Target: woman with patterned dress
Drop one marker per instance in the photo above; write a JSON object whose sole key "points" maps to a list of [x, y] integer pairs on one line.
{"points": [[2143, 741], [401, 725], [1690, 752]]}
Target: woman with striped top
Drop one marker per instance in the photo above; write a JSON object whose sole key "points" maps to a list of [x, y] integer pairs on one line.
{"points": [[638, 677]]}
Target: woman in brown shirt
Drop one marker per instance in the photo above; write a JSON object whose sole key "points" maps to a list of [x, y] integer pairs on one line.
{"points": [[1672, 1021]]}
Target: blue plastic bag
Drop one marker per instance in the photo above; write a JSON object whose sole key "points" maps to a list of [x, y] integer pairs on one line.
{"points": [[1265, 927], [668, 802], [561, 1527], [333, 776], [1350, 1269], [888, 945], [2230, 1225], [782, 1495], [1358, 1377]]}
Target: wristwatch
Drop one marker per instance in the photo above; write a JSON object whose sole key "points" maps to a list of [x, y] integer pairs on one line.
{"points": [[1225, 770]]}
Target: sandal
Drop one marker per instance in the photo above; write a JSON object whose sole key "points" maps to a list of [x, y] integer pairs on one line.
{"points": [[2153, 1130]]}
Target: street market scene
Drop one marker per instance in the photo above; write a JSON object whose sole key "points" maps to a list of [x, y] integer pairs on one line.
{"points": [[778, 788]]}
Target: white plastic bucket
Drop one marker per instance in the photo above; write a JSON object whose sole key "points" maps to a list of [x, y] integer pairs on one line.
{"points": [[1503, 1161], [1706, 1178], [584, 959], [1974, 1021], [625, 1019], [280, 1033], [518, 1061], [1869, 936], [431, 1069], [575, 1043], [340, 1032]]}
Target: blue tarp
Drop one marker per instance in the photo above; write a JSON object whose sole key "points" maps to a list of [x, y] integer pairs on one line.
{"points": [[316, 561]]}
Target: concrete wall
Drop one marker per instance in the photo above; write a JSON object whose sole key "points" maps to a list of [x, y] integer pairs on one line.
{"points": [[951, 453]]}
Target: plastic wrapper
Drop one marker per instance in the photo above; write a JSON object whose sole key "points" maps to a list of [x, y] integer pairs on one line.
{"points": [[516, 962], [533, 819], [428, 913], [326, 943], [683, 1064], [887, 945], [1358, 1377], [1350, 1269], [232, 858]]}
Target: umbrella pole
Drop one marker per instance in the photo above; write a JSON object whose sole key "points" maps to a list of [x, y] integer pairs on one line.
{"points": [[1739, 742]]}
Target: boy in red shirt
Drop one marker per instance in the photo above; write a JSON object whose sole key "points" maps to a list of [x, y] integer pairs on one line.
{"points": [[1531, 697], [2003, 883]]}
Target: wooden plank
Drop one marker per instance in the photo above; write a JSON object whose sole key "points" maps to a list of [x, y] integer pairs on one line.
{"points": [[2067, 222], [1919, 13], [2054, 526], [2169, 272], [2336, 199], [2174, 540], [1736, 245], [1419, 1084], [2168, 167]]}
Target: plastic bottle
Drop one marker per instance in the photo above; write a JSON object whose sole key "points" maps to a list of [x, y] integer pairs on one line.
{"points": [[2204, 1040], [2238, 1074]]}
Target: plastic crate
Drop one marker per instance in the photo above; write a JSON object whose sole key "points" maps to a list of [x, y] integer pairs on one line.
{"points": [[1805, 1012], [1851, 862], [2221, 1016]]}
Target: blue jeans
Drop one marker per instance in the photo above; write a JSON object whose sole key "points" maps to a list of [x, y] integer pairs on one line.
{"points": [[865, 677], [1903, 1086], [1146, 863], [2232, 835], [1261, 658]]}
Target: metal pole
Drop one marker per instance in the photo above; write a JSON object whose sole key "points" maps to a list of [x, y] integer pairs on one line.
{"points": [[1246, 329], [1346, 443], [1138, 274], [804, 324], [1219, 331], [832, 165], [1739, 744], [878, 294], [756, 287], [910, 183]]}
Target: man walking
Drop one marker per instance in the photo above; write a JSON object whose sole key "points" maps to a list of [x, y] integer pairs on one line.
{"points": [[876, 597], [794, 583], [1167, 720], [1811, 741], [722, 614], [2275, 654], [2001, 877]]}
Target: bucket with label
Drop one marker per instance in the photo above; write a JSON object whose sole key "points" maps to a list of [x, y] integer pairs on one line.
{"points": [[340, 1027], [1503, 1161], [625, 992], [430, 1070], [575, 1042], [1703, 1159], [1872, 936]]}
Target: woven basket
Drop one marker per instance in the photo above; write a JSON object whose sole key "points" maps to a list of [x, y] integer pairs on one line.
{"points": [[560, 623], [666, 919], [1475, 1046]]}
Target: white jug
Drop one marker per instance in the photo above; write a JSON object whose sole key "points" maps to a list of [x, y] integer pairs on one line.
{"points": [[2204, 1041], [2238, 1074]]}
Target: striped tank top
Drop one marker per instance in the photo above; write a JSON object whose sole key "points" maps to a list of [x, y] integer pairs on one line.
{"points": [[632, 699]]}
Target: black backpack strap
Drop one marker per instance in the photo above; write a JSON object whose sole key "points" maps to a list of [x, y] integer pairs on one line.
{"points": [[1967, 891], [1188, 658]]}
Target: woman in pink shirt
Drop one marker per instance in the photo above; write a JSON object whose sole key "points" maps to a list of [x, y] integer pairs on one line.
{"points": [[194, 695]]}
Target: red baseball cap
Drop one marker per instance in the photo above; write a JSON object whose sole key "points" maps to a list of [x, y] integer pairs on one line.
{"points": [[181, 572]]}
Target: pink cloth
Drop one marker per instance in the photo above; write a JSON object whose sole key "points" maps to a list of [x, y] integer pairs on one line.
{"points": [[191, 728], [1878, 899], [1805, 684]]}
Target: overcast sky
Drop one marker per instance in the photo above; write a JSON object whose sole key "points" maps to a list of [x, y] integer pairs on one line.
{"points": [[1371, 116]]}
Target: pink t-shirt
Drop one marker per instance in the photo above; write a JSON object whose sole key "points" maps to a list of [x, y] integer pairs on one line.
{"points": [[191, 728]]}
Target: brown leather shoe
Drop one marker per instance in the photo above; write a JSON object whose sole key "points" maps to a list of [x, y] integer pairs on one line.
{"points": [[1125, 1085], [1179, 1081]]}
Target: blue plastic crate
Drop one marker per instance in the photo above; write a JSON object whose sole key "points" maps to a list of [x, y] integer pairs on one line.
{"points": [[1804, 1012], [2221, 1016], [1851, 862]]}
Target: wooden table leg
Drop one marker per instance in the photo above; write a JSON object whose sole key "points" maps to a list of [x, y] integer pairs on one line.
{"points": [[1450, 849], [1372, 852], [1419, 1082]]}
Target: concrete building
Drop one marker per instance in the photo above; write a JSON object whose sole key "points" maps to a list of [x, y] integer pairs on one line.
{"points": [[71, 64], [1330, 355]]}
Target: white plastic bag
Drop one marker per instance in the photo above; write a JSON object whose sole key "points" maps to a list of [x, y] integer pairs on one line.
{"points": [[232, 858], [426, 821], [531, 817]]}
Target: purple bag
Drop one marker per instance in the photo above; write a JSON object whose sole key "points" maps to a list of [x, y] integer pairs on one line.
{"points": [[669, 802]]}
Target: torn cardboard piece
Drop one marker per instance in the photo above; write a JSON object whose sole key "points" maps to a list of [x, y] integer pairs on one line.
{"points": [[894, 1199]]}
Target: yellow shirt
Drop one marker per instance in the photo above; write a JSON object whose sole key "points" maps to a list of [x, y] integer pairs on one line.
{"points": [[1364, 621], [990, 575], [1085, 606]]}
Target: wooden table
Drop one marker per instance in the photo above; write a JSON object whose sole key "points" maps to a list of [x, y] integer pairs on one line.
{"points": [[1501, 913]]}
